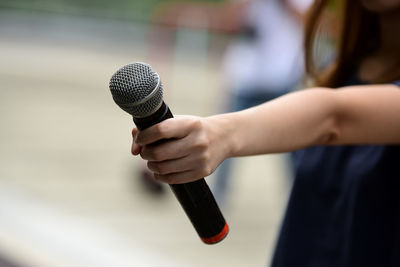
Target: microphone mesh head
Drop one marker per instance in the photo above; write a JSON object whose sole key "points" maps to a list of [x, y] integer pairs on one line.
{"points": [[137, 89]]}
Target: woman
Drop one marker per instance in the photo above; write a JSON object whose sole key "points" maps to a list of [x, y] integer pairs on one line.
{"points": [[344, 208]]}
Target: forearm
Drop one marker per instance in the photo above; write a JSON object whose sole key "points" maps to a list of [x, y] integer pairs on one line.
{"points": [[290, 122], [351, 115]]}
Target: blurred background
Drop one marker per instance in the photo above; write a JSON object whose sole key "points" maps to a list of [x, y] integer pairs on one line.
{"points": [[70, 192]]}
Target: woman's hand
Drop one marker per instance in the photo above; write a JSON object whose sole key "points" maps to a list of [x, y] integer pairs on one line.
{"points": [[182, 149]]}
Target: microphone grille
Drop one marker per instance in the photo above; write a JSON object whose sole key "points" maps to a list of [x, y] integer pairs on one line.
{"points": [[137, 89]]}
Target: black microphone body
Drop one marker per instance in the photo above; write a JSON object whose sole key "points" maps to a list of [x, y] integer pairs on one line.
{"points": [[195, 197]]}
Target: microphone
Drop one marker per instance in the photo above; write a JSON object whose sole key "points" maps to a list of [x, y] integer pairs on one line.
{"points": [[137, 89]]}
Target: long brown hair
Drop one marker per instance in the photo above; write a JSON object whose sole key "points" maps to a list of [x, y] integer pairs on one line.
{"points": [[357, 36]]}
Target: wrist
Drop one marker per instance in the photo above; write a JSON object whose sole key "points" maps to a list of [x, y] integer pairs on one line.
{"points": [[225, 131]]}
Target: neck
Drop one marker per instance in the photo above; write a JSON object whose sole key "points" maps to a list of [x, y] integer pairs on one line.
{"points": [[390, 37]]}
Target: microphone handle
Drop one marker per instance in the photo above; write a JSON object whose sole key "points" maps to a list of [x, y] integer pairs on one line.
{"points": [[195, 197]]}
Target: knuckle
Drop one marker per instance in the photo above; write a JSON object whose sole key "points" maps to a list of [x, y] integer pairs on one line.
{"points": [[197, 124], [202, 143], [161, 129], [205, 167]]}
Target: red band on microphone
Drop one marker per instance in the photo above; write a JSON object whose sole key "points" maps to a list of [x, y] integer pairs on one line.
{"points": [[217, 237]]}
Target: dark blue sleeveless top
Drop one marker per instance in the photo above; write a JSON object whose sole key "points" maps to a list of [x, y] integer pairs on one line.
{"points": [[344, 208]]}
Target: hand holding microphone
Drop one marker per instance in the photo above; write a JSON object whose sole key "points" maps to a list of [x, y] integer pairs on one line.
{"points": [[174, 152], [188, 154]]}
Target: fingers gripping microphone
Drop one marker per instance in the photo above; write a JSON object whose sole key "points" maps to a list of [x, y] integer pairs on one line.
{"points": [[137, 89]]}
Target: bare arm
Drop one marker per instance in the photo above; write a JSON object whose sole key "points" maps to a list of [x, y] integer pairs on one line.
{"points": [[351, 115]]}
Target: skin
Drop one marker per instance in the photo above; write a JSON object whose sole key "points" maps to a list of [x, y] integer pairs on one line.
{"points": [[195, 146]]}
